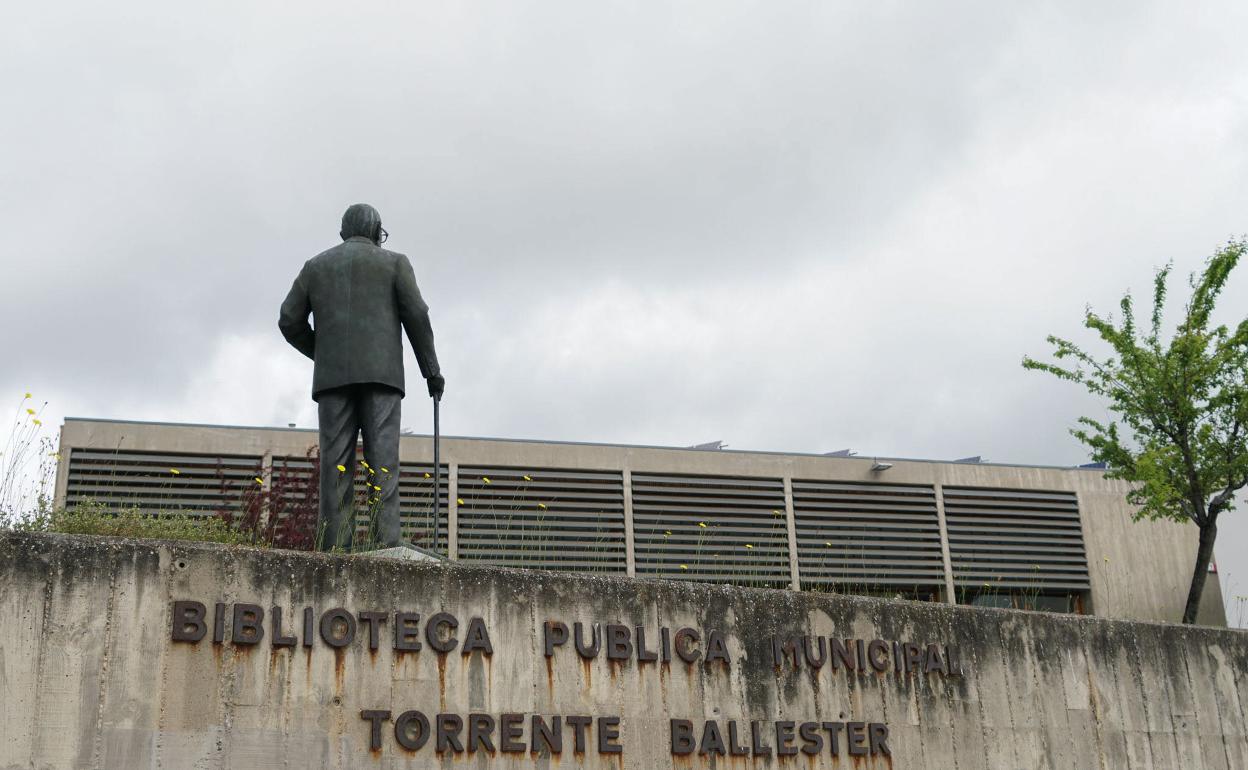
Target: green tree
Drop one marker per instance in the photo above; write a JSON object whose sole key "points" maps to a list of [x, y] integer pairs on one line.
{"points": [[1179, 432]]}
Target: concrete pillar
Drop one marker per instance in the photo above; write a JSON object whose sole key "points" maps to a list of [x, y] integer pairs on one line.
{"points": [[1089, 597], [795, 578], [630, 552], [452, 511], [62, 471], [266, 494], [950, 596]]}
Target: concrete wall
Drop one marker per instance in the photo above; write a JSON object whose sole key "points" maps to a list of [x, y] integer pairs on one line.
{"points": [[90, 676], [1138, 570]]}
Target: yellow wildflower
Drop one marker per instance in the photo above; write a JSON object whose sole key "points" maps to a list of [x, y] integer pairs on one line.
{"points": [[486, 479], [30, 411], [27, 395], [668, 533], [385, 470], [342, 469], [828, 544], [459, 500], [684, 566], [175, 471], [747, 545], [365, 464], [426, 475], [702, 524], [37, 421], [376, 487], [259, 481], [527, 478], [542, 506]]}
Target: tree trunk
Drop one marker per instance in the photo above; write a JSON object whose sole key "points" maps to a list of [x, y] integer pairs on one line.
{"points": [[1204, 554]]}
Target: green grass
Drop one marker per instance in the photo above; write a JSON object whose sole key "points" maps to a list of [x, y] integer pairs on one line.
{"points": [[90, 518]]}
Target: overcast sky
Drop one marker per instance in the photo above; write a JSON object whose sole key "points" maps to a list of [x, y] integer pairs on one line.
{"points": [[789, 226]]}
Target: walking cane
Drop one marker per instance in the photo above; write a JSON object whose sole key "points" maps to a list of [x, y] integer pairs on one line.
{"points": [[437, 473]]}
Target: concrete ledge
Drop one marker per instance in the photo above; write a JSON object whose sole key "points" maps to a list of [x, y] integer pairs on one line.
{"points": [[121, 654]]}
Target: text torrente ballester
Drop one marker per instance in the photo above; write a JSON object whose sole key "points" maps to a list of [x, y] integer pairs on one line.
{"points": [[442, 632]]}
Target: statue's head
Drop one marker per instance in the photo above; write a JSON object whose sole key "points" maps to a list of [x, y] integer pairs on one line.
{"points": [[362, 219]]}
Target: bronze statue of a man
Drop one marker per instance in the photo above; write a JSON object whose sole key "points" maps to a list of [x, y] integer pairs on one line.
{"points": [[361, 298]]}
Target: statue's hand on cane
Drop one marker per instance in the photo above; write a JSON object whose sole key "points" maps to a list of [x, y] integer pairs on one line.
{"points": [[437, 384]]}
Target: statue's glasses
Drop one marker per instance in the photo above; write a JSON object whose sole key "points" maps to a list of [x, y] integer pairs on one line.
{"points": [[382, 235]]}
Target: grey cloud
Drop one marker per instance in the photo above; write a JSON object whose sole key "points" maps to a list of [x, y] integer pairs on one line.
{"points": [[787, 225]]}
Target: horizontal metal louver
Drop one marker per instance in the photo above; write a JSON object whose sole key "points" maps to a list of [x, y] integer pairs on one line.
{"points": [[416, 505], [715, 529], [1016, 539], [295, 486], [867, 538], [160, 482], [542, 518]]}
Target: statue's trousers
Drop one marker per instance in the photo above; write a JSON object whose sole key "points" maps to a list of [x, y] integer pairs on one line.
{"points": [[346, 413]]}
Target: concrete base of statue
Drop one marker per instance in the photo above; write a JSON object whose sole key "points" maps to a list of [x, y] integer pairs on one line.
{"points": [[407, 552]]}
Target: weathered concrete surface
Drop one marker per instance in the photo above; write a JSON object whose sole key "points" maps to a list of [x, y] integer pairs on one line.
{"points": [[91, 678]]}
